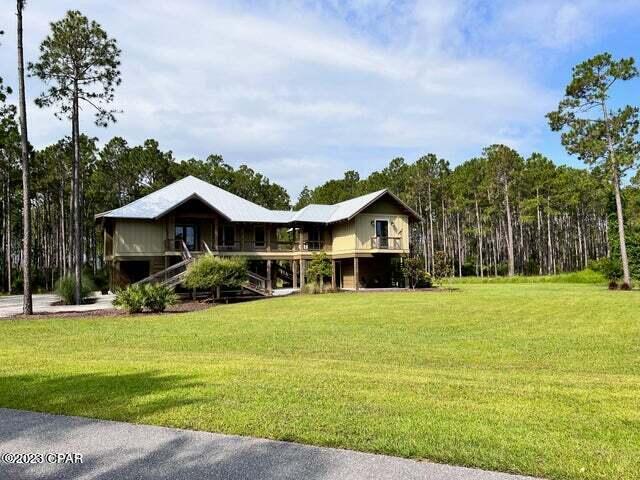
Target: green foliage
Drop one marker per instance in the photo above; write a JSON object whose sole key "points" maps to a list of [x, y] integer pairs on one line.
{"points": [[154, 297], [633, 248], [158, 297], [318, 268], [414, 271], [586, 276], [609, 139], [65, 288], [78, 58], [610, 268], [209, 272], [441, 267], [132, 298]]}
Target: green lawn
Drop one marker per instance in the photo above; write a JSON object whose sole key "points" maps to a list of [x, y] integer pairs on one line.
{"points": [[542, 379]]}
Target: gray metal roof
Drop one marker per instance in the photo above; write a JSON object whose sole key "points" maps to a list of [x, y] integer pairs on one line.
{"points": [[235, 208]]}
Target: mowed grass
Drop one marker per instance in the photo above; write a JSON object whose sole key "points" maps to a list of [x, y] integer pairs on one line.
{"points": [[539, 379]]}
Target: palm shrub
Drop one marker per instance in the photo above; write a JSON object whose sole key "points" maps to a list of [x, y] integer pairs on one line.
{"points": [[158, 297], [209, 272], [132, 298], [65, 288]]}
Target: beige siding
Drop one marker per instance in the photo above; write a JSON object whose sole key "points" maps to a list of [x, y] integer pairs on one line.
{"points": [[344, 237], [385, 205], [365, 228], [139, 238]]}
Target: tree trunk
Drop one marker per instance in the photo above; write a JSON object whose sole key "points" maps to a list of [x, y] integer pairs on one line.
{"points": [[27, 305], [550, 264], [77, 231], [626, 277], [479, 238], [431, 227], [9, 272], [459, 244], [424, 236], [509, 232], [539, 230], [63, 236]]}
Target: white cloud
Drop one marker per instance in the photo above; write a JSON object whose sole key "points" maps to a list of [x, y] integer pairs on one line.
{"points": [[303, 90]]}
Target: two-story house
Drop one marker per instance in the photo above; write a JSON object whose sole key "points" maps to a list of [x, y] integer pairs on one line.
{"points": [[158, 235]]}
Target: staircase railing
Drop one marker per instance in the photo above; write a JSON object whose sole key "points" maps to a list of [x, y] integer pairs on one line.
{"points": [[257, 282], [163, 275]]}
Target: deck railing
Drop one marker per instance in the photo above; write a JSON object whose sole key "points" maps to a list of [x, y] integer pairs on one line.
{"points": [[386, 243]]}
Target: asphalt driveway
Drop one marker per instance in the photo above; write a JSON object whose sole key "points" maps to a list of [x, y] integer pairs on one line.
{"points": [[116, 450]]}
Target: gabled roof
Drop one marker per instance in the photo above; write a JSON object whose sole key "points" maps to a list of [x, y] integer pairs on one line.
{"points": [[237, 209]]}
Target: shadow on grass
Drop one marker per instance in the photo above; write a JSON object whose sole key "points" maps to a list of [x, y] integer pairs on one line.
{"points": [[130, 396]]}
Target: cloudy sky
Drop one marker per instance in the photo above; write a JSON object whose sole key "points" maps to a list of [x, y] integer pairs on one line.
{"points": [[303, 90]]}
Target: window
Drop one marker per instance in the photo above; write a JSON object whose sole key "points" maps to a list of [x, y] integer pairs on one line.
{"points": [[259, 235], [187, 234], [227, 235], [382, 233], [314, 235], [315, 239]]}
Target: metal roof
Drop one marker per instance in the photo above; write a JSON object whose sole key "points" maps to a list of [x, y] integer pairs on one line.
{"points": [[237, 209]]}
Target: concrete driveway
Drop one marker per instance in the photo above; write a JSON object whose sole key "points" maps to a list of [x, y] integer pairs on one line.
{"points": [[43, 303], [116, 450]]}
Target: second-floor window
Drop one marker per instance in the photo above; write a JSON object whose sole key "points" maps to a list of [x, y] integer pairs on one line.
{"points": [[227, 235], [259, 235], [382, 233]]}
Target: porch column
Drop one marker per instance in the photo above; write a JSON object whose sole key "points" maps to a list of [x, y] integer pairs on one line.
{"points": [[294, 275], [333, 274], [267, 234], [356, 276], [269, 290], [242, 238], [215, 233], [301, 274]]}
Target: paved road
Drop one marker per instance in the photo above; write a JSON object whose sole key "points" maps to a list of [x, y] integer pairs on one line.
{"points": [[12, 304], [115, 450]]}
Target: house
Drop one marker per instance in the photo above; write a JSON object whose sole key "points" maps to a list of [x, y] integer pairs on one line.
{"points": [[156, 236]]}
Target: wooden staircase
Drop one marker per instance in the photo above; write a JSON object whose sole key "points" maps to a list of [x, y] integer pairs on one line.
{"points": [[174, 275]]}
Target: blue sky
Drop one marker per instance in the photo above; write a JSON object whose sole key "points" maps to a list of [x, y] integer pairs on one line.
{"points": [[303, 90]]}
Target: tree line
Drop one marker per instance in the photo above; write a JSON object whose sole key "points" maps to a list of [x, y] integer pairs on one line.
{"points": [[495, 214]]}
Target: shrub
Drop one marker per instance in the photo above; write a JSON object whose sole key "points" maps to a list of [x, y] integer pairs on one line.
{"points": [[209, 272], [613, 285], [157, 297], [413, 270], [132, 298], [610, 268], [318, 268], [625, 286], [441, 267], [65, 288], [425, 281], [101, 280]]}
